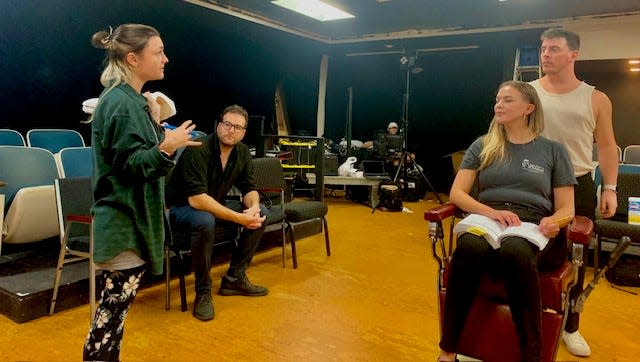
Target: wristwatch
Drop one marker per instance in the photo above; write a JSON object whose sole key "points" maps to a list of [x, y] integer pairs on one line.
{"points": [[610, 187]]}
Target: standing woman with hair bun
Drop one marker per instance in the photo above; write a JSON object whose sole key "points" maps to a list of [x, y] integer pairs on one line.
{"points": [[131, 153]]}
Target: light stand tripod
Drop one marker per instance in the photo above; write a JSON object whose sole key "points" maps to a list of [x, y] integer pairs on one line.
{"points": [[402, 163]]}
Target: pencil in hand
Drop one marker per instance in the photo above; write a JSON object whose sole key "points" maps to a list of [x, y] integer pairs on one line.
{"points": [[563, 221]]}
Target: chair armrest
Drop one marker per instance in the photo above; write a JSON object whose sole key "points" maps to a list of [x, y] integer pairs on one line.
{"points": [[580, 230], [275, 189], [80, 218], [435, 217], [440, 213]]}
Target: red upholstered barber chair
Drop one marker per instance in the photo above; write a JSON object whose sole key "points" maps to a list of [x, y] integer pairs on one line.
{"points": [[489, 333]]}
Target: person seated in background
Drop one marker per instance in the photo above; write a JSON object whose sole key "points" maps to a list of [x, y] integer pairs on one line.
{"points": [[394, 149], [392, 128], [521, 176], [196, 195]]}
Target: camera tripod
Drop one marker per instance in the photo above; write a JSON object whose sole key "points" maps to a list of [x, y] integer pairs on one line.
{"points": [[402, 163]]}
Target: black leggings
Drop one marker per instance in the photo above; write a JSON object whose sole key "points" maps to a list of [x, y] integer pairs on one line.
{"points": [[518, 263]]}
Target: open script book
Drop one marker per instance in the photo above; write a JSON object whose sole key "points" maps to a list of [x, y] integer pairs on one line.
{"points": [[494, 232]]}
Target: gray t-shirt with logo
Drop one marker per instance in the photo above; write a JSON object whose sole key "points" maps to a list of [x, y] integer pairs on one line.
{"points": [[526, 176]]}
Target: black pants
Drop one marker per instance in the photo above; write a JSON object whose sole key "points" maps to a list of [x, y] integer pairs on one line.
{"points": [[586, 203], [107, 328], [201, 225], [518, 263]]}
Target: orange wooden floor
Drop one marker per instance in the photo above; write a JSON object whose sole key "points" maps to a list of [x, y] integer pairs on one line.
{"points": [[373, 300]]}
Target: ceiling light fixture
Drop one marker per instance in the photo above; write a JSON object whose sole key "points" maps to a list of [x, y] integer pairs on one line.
{"points": [[314, 8], [375, 53], [446, 49], [634, 69], [424, 50], [634, 61]]}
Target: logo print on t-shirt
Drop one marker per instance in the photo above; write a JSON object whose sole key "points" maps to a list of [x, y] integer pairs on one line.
{"points": [[528, 166]]}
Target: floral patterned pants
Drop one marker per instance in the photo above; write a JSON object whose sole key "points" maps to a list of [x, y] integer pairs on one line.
{"points": [[105, 334]]}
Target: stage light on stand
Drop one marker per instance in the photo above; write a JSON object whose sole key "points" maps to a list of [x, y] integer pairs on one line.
{"points": [[406, 160], [407, 62]]}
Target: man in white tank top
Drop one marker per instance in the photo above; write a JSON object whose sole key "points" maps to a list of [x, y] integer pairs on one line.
{"points": [[576, 114]]}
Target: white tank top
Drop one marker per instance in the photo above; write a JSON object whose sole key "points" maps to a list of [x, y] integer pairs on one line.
{"points": [[569, 119]]}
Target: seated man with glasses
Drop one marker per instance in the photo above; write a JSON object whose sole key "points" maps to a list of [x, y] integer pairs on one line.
{"points": [[196, 193]]}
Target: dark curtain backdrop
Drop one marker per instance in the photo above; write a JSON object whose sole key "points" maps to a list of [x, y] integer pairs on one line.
{"points": [[450, 102], [49, 67]]}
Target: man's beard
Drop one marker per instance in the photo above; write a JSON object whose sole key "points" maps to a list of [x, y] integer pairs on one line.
{"points": [[226, 143]]}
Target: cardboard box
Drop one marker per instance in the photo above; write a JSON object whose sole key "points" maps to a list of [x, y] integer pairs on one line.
{"points": [[634, 210]]}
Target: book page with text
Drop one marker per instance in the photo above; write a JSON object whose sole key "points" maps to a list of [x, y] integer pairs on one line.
{"points": [[529, 231]]}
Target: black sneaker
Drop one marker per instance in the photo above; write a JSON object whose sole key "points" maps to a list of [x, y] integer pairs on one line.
{"points": [[241, 286], [203, 307]]}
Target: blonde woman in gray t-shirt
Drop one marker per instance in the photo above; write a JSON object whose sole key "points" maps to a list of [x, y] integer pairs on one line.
{"points": [[520, 176]]}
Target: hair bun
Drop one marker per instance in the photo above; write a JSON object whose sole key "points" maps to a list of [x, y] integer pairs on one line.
{"points": [[102, 38]]}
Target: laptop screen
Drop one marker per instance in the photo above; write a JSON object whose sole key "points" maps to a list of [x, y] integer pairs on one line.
{"points": [[373, 168]]}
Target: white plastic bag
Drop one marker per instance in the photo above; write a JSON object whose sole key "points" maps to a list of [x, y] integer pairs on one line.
{"points": [[347, 166]]}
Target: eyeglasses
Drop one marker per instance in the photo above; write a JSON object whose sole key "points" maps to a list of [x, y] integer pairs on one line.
{"points": [[228, 126]]}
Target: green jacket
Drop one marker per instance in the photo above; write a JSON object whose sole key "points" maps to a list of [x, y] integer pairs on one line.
{"points": [[128, 182]]}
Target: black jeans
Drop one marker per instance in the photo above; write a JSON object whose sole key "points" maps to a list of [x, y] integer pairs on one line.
{"points": [[202, 231], [517, 262], [586, 204]]}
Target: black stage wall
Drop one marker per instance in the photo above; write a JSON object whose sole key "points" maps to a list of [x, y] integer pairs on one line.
{"points": [[49, 67]]}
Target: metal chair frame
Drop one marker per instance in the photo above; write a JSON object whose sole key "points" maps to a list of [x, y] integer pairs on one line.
{"points": [[74, 200]]}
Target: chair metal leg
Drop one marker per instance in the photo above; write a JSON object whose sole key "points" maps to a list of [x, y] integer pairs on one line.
{"points": [[92, 276], [596, 254], [284, 246], [294, 255], [92, 286], [181, 278], [326, 235], [56, 283], [183, 293], [183, 287], [167, 281]]}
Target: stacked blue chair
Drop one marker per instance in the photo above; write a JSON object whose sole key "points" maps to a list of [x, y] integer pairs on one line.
{"points": [[9, 137], [631, 155], [54, 139], [30, 204], [75, 162], [594, 153]]}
